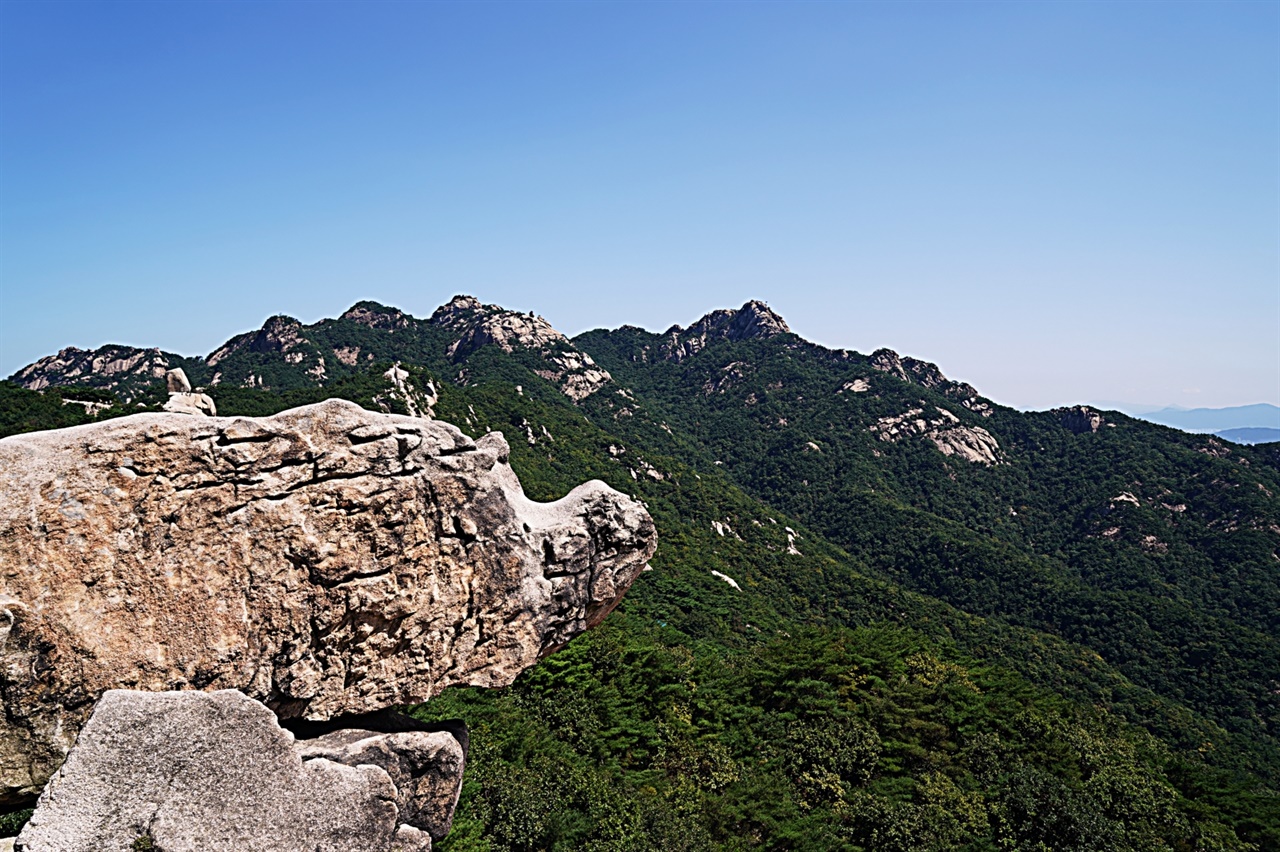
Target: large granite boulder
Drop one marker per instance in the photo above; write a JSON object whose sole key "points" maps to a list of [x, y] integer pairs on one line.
{"points": [[214, 772], [324, 561]]}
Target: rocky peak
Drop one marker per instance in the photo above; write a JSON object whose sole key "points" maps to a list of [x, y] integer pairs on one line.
{"points": [[481, 324], [754, 319], [106, 367], [460, 309], [279, 333], [919, 372], [476, 324], [377, 316], [1079, 419]]}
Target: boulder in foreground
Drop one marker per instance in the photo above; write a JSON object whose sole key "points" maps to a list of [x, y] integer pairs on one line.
{"points": [[325, 561], [213, 771]]}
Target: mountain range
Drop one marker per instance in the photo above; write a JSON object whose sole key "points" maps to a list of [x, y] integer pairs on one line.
{"points": [[886, 612], [1260, 416]]}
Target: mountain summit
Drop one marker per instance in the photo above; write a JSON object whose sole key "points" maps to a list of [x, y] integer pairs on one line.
{"points": [[754, 319]]}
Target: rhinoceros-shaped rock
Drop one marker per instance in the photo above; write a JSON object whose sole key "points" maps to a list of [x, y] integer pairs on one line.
{"points": [[325, 561]]}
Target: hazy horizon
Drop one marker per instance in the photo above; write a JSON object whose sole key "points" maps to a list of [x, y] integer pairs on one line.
{"points": [[1056, 203]]}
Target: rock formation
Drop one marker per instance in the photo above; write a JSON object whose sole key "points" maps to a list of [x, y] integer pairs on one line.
{"points": [[419, 403], [754, 319], [106, 367], [325, 561], [1079, 419], [477, 325], [278, 334], [182, 400], [202, 771], [948, 433], [378, 316], [919, 372], [176, 381]]}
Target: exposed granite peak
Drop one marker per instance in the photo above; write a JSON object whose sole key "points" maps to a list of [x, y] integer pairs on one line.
{"points": [[279, 333], [753, 319], [375, 315], [103, 367], [923, 373], [477, 325], [460, 309]]}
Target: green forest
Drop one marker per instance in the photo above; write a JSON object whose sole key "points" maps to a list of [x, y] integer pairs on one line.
{"points": [[1072, 649]]}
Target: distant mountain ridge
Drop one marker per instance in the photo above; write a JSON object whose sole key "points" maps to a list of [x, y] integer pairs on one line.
{"points": [[1259, 415], [1125, 568], [1250, 435], [285, 353]]}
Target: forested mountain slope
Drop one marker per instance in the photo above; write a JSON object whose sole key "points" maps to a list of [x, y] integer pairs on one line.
{"points": [[1155, 548], [850, 639]]}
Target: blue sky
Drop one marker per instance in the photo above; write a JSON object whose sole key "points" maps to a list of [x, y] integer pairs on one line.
{"points": [[1057, 202]]}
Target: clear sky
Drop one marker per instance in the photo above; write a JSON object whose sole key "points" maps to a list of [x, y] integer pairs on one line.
{"points": [[1058, 202]]}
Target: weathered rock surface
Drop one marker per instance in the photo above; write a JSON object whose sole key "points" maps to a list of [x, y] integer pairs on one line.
{"points": [[198, 404], [754, 319], [919, 372], [374, 315], [211, 771], [176, 381], [104, 367], [326, 561], [419, 403], [278, 334], [426, 769], [477, 325], [945, 430]]}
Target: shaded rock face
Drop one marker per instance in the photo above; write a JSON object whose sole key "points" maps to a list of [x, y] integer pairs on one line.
{"points": [[426, 769], [754, 319], [1079, 419], [278, 334], [176, 381], [325, 561], [200, 771]]}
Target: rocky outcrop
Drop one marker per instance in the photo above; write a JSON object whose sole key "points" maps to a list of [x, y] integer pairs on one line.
{"points": [[481, 325], [278, 334], [919, 372], [108, 367], [378, 316], [419, 403], [198, 404], [182, 400], [1079, 419], [325, 561], [945, 430], [425, 767], [477, 325], [754, 319], [200, 771], [176, 381]]}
